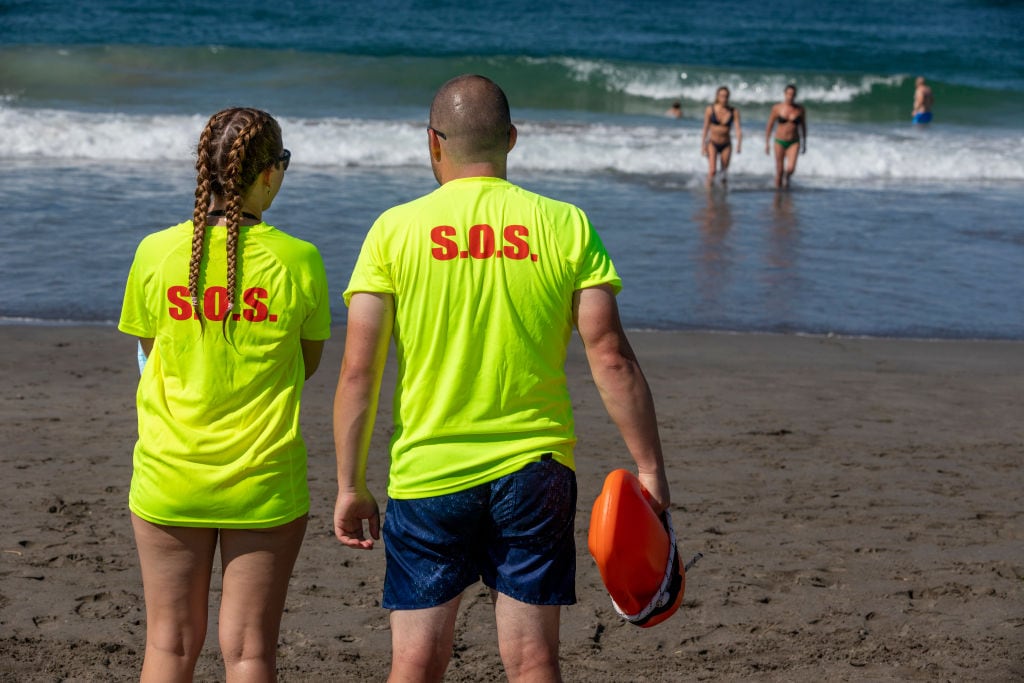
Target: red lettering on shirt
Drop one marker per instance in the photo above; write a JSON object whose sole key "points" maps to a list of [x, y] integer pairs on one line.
{"points": [[258, 313], [481, 243], [215, 304], [516, 247], [181, 304], [446, 249]]}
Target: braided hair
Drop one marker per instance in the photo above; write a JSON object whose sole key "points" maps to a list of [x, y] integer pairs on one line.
{"points": [[234, 148]]}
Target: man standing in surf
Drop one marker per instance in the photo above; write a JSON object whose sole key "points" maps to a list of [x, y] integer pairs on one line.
{"points": [[922, 112], [480, 283]]}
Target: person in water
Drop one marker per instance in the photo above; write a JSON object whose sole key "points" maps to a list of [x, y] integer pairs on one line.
{"points": [[790, 135], [715, 140], [923, 99]]}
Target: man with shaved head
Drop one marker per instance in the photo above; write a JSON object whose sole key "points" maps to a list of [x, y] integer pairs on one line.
{"points": [[480, 284]]}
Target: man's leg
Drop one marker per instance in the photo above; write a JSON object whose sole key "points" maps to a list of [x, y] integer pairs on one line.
{"points": [[421, 642], [528, 640]]}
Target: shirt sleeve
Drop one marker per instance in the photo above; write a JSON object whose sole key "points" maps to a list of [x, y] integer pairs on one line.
{"points": [[135, 315], [317, 325], [595, 266], [371, 273]]}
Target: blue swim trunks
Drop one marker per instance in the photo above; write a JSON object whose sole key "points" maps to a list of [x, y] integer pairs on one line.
{"points": [[514, 533], [923, 117]]}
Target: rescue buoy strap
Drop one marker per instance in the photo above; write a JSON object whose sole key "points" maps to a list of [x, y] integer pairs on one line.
{"points": [[669, 583]]}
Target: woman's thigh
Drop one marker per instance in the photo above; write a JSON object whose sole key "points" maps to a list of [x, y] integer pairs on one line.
{"points": [[176, 563], [257, 565]]}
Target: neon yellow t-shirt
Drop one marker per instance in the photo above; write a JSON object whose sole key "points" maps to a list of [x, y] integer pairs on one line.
{"points": [[483, 274], [219, 440]]}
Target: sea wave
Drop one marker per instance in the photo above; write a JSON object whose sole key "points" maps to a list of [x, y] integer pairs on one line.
{"points": [[835, 152], [176, 80]]}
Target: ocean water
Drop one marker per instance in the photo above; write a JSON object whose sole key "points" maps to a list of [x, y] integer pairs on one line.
{"points": [[889, 230]]}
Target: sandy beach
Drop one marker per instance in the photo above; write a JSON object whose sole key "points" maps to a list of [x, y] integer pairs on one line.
{"points": [[858, 503]]}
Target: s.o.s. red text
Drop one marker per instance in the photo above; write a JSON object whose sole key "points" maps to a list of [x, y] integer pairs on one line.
{"points": [[215, 304], [481, 242]]}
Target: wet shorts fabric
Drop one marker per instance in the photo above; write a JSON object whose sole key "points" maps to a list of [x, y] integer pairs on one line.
{"points": [[514, 533]]}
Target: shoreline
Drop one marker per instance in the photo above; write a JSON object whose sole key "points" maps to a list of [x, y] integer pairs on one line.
{"points": [[855, 500], [46, 322]]}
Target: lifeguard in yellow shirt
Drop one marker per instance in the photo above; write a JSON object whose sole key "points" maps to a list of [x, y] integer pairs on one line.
{"points": [[480, 283], [232, 314]]}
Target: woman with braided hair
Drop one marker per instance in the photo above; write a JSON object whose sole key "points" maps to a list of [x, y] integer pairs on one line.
{"points": [[220, 460]]}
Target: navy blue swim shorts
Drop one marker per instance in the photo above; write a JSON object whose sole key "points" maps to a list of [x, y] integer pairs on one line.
{"points": [[514, 533]]}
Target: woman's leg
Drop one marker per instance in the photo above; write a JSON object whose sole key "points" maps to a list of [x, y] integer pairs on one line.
{"points": [[780, 156], [176, 563], [791, 156], [726, 156], [257, 566], [712, 162]]}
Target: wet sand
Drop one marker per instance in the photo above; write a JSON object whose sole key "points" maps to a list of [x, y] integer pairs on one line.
{"points": [[858, 503]]}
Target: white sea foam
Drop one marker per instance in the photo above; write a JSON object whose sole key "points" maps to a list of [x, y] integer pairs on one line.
{"points": [[835, 152], [746, 88]]}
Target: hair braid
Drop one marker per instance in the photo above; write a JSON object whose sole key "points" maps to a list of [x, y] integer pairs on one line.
{"points": [[203, 193], [234, 186], [236, 146]]}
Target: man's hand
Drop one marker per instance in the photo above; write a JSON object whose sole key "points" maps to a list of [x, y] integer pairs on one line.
{"points": [[657, 487], [350, 509]]}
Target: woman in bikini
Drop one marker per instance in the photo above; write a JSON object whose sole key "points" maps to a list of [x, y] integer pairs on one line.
{"points": [[790, 136], [715, 142]]}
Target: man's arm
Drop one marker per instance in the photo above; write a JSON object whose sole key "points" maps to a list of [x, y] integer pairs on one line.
{"points": [[622, 386], [370, 321]]}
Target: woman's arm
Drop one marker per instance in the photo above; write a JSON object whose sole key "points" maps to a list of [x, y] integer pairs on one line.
{"points": [[768, 130], [311, 352], [704, 132], [803, 130], [739, 131]]}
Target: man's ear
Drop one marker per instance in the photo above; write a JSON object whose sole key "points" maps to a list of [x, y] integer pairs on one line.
{"points": [[434, 143]]}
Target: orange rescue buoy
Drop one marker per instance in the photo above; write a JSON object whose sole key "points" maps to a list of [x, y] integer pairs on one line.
{"points": [[636, 552]]}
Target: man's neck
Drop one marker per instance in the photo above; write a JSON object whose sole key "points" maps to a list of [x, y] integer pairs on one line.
{"points": [[477, 170]]}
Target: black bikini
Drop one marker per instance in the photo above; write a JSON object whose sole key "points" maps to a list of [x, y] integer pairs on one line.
{"points": [[720, 146], [715, 121]]}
